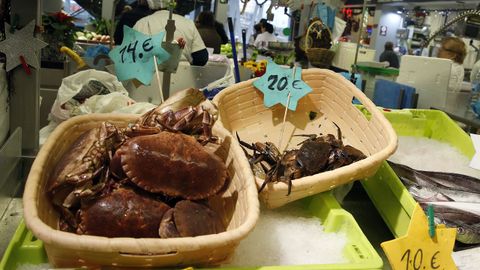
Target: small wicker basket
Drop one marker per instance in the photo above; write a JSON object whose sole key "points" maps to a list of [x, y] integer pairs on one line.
{"points": [[321, 57], [238, 207], [241, 110]]}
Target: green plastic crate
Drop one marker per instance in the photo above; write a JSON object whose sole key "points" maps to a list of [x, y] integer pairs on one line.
{"points": [[24, 248], [385, 189]]}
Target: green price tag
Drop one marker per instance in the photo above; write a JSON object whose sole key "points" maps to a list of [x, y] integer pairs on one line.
{"points": [[134, 57], [278, 82]]}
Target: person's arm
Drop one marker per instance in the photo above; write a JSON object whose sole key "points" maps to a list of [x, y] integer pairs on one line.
{"points": [[456, 77], [198, 50], [395, 63], [221, 32], [258, 41], [200, 58]]}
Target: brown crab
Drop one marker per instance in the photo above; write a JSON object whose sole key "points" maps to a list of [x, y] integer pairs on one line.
{"points": [[188, 219], [127, 213], [191, 120], [81, 170], [278, 167], [316, 154], [325, 153], [172, 164]]}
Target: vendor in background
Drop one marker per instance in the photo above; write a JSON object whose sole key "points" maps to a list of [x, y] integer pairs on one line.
{"points": [[137, 10], [194, 51], [261, 42], [257, 29], [454, 49], [389, 55], [206, 27]]}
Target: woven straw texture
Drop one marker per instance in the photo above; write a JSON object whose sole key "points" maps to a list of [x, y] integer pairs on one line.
{"points": [[241, 110], [318, 56], [238, 207]]}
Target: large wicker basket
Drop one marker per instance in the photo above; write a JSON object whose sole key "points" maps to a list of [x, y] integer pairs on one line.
{"points": [[238, 206], [241, 110]]}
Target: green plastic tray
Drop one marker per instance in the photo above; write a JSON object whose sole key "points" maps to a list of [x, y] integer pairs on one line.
{"points": [[24, 248], [378, 70], [385, 189]]}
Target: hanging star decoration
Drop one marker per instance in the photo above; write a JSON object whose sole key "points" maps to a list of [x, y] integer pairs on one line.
{"points": [[418, 250], [21, 46], [134, 57], [278, 82]]}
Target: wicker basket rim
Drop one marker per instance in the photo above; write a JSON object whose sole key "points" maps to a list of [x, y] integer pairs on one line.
{"points": [[127, 245]]}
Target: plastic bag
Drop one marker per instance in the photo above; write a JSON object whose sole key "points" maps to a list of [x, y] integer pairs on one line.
{"points": [[110, 103], [227, 80], [75, 89]]}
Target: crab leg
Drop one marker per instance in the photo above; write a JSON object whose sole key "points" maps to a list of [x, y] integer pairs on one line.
{"points": [[339, 131], [242, 143], [245, 145], [270, 177], [289, 187], [207, 125], [184, 118], [82, 174], [309, 136]]}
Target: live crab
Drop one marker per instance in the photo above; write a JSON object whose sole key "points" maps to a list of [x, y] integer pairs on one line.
{"points": [[154, 166], [316, 154]]}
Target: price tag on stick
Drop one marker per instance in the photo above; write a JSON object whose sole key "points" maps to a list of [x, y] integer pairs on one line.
{"points": [[417, 250], [278, 82], [133, 58]]}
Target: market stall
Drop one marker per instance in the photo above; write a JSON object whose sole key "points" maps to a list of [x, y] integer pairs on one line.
{"points": [[313, 136]]}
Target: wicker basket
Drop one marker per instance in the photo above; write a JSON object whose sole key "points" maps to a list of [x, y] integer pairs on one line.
{"points": [[238, 206], [241, 110], [318, 56]]}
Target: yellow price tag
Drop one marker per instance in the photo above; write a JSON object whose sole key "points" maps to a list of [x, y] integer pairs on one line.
{"points": [[417, 250]]}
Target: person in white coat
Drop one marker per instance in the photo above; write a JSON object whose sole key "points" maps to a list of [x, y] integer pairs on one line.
{"points": [[194, 51], [261, 42], [454, 49]]}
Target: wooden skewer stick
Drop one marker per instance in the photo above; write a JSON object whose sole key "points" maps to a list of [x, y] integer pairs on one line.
{"points": [[284, 120], [157, 73], [286, 111]]}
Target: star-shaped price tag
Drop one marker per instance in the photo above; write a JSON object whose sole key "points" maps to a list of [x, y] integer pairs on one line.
{"points": [[20, 47], [134, 57], [417, 250], [278, 82]]}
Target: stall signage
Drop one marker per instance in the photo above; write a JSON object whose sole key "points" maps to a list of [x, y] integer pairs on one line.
{"points": [[418, 250], [383, 30], [282, 85], [20, 47], [134, 57]]}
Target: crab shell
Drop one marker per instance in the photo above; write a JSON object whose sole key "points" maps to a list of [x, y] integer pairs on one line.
{"points": [[172, 164], [69, 161], [188, 219], [122, 213], [313, 156]]}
